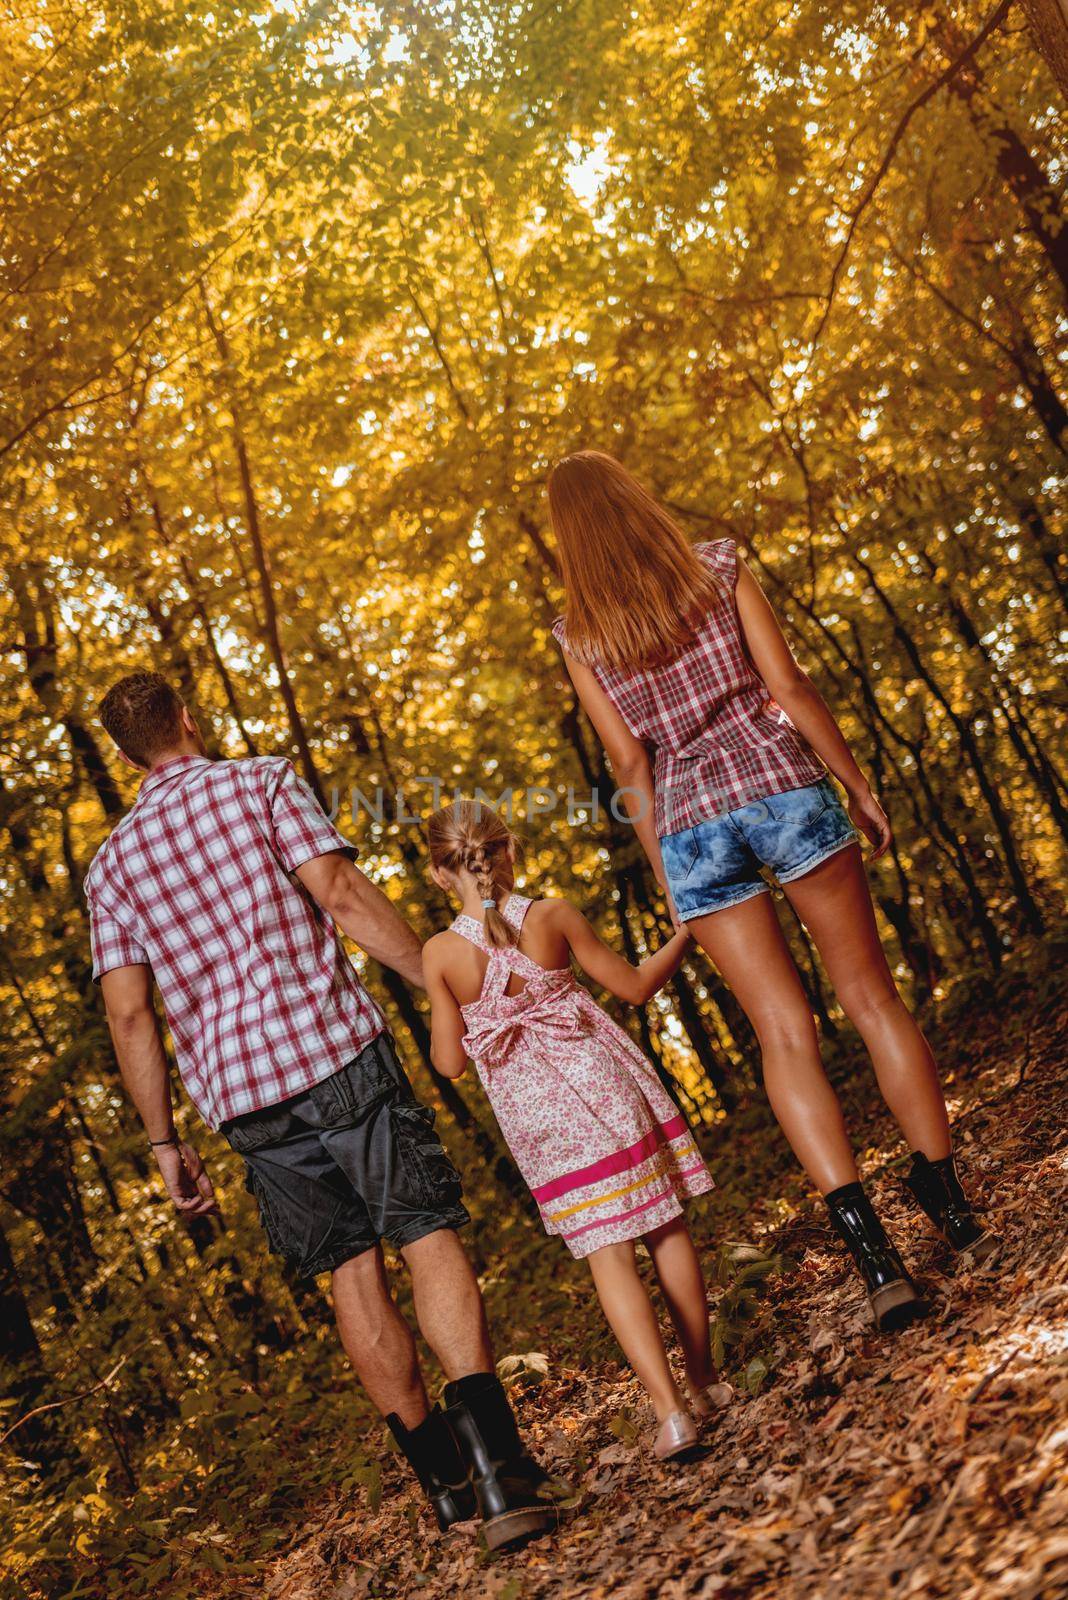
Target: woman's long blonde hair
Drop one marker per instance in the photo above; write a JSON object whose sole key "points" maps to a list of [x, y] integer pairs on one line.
{"points": [[636, 592], [470, 834]]}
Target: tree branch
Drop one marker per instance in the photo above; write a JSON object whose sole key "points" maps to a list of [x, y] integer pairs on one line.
{"points": [[72, 1399], [992, 23]]}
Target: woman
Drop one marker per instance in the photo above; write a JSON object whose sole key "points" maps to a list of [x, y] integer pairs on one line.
{"points": [[674, 647]]}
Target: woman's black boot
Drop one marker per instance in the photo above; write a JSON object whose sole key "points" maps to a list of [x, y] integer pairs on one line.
{"points": [[514, 1494], [434, 1457], [937, 1190], [893, 1297]]}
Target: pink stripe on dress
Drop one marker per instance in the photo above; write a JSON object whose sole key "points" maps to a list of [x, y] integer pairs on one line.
{"points": [[609, 1166]]}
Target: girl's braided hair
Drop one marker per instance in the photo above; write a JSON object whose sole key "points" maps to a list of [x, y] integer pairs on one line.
{"points": [[469, 834]]}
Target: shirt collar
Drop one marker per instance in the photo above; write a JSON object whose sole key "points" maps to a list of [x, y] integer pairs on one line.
{"points": [[168, 769]]}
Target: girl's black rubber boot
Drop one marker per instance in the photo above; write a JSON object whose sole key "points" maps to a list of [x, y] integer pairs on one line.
{"points": [[434, 1456], [891, 1292], [937, 1190], [515, 1497]]}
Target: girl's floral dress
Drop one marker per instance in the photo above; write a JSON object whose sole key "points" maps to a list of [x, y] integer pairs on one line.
{"points": [[607, 1154]]}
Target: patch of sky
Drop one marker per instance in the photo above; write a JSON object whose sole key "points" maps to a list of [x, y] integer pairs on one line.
{"points": [[587, 173], [857, 48]]}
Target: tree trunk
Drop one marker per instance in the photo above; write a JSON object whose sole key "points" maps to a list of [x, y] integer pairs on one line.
{"points": [[253, 526], [1021, 735], [18, 1337], [34, 603], [650, 1048], [1032, 522], [715, 1063], [704, 1047], [1047, 21], [1029, 911], [12, 817], [935, 816], [1034, 374], [23, 1374], [200, 611], [46, 1189], [1030, 186]]}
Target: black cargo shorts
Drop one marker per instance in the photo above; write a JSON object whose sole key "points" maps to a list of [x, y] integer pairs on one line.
{"points": [[350, 1161]]}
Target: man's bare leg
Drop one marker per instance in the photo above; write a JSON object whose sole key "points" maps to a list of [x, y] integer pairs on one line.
{"points": [[514, 1495], [448, 1304], [377, 1339]]}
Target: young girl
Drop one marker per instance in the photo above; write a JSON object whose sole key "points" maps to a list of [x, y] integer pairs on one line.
{"points": [[674, 648], [607, 1155]]}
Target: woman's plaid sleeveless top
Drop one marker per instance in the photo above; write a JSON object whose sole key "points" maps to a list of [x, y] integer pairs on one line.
{"points": [[720, 739]]}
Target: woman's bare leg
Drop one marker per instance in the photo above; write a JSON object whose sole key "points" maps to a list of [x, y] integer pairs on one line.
{"points": [[747, 945], [678, 1272], [633, 1321], [834, 902]]}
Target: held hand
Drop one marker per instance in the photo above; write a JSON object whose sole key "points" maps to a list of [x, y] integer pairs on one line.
{"points": [[867, 814], [677, 926], [187, 1180]]}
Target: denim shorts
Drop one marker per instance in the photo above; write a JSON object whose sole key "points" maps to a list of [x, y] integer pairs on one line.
{"points": [[718, 863], [350, 1161]]}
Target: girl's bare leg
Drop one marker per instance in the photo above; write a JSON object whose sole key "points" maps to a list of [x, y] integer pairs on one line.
{"points": [[678, 1272], [747, 945], [633, 1321], [834, 902]]}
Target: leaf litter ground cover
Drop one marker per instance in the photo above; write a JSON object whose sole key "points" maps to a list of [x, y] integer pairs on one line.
{"points": [[927, 1464]]}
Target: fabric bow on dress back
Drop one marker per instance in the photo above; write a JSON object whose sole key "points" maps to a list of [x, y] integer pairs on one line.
{"points": [[605, 1150]]}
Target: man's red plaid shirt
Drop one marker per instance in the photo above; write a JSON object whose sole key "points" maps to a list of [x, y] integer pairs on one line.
{"points": [[197, 881]]}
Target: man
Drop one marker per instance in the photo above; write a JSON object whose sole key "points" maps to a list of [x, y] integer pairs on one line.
{"points": [[223, 884]]}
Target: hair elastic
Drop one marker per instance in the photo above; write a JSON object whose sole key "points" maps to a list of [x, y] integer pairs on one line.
{"points": [[489, 904]]}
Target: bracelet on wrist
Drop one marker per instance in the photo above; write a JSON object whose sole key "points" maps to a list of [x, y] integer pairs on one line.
{"points": [[155, 1143]]}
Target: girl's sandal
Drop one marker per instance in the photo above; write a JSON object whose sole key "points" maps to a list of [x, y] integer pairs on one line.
{"points": [[704, 1403], [677, 1434]]}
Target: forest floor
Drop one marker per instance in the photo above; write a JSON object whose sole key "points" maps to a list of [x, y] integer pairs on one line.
{"points": [[931, 1463]]}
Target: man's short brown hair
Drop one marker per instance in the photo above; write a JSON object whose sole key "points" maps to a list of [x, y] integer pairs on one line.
{"points": [[143, 715]]}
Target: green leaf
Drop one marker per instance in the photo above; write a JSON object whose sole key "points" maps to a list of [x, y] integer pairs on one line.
{"points": [[755, 1373]]}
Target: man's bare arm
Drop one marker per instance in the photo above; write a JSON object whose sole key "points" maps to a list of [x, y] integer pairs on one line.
{"points": [[143, 1065], [362, 911]]}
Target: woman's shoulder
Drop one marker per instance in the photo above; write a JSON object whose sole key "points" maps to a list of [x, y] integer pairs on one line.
{"points": [[559, 634], [721, 555]]}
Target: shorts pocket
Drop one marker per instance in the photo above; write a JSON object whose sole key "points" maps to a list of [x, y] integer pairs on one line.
{"points": [[800, 807], [258, 1128], [259, 1190], [375, 1075], [680, 852], [431, 1175]]}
